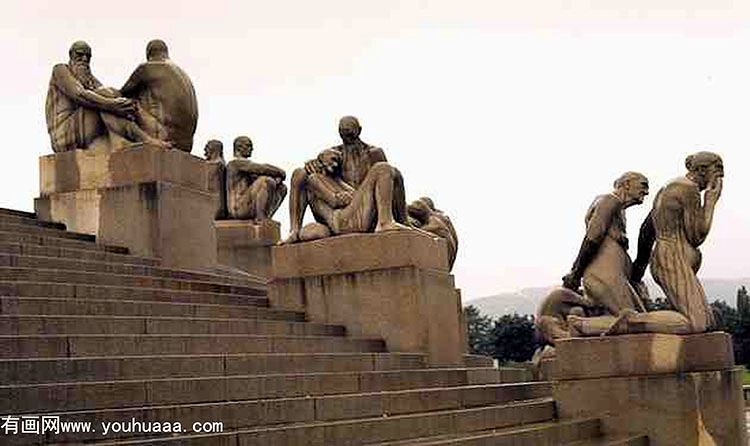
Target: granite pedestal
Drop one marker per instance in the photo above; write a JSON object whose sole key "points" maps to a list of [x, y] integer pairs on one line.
{"points": [[395, 286], [678, 390], [246, 245], [152, 201]]}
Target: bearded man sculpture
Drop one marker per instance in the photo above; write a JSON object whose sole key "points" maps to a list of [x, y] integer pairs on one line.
{"points": [[79, 111]]}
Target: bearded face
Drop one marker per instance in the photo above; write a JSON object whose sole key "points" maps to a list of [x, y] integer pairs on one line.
{"points": [[79, 64]]}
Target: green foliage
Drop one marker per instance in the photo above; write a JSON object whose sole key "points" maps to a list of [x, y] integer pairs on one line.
{"points": [[736, 322], [514, 338], [478, 327], [507, 338]]}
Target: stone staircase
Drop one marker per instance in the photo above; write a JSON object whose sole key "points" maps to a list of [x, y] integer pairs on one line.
{"points": [[91, 333]]}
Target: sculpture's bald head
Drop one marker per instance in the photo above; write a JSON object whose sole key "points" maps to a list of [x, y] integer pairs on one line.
{"points": [[631, 187], [79, 52], [349, 129], [704, 168], [243, 147], [157, 50]]}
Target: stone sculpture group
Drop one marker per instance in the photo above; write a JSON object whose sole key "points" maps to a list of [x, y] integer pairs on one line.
{"points": [[613, 297], [155, 106], [351, 188]]}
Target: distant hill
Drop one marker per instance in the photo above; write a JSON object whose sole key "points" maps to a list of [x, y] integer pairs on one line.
{"points": [[526, 300]]}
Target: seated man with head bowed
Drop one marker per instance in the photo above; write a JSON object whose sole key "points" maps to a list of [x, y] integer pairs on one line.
{"points": [[254, 191], [374, 198], [166, 103], [81, 114]]}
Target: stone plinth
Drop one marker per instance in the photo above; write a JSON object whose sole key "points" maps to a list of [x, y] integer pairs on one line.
{"points": [[394, 286], [678, 390], [152, 201], [246, 245]]}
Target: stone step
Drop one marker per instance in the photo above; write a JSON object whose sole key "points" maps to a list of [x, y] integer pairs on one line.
{"points": [[29, 219], [56, 346], [81, 306], [17, 213], [355, 390], [73, 253], [64, 264], [304, 421], [630, 440], [111, 368], [550, 433], [60, 242], [21, 228], [86, 324], [133, 293], [77, 277], [338, 395]]}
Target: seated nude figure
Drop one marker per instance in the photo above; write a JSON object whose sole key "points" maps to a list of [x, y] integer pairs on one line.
{"points": [[81, 114], [423, 215], [341, 209], [376, 189], [254, 191], [167, 108]]}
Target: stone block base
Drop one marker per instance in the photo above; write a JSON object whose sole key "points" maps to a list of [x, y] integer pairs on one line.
{"points": [[658, 385], [395, 286], [246, 245], [154, 202]]}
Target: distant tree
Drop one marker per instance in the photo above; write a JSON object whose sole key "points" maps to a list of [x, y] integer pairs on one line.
{"points": [[478, 327], [514, 338], [731, 321], [743, 303]]}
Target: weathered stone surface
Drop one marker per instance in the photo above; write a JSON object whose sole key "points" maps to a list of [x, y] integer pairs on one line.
{"points": [[678, 390], [684, 409], [359, 252], [164, 194], [93, 169], [642, 354], [246, 245], [393, 285]]}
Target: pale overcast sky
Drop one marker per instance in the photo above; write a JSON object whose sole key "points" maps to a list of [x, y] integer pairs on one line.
{"points": [[512, 115]]}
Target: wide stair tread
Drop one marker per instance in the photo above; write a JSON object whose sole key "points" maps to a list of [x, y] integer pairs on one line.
{"points": [[13, 305], [113, 367], [613, 440], [30, 249], [23, 325], [67, 277], [47, 239], [215, 394], [18, 288], [545, 433], [82, 265], [46, 346], [275, 427]]}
